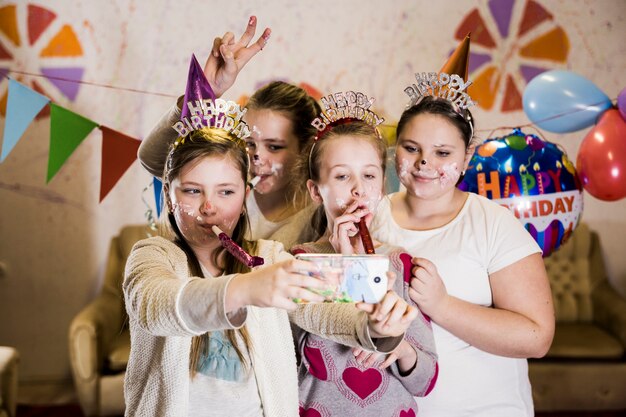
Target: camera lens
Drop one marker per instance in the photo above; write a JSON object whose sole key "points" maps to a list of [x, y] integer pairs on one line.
{"points": [[376, 280]]}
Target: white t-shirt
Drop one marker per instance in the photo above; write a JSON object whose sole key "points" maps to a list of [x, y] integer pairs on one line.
{"points": [[482, 239]]}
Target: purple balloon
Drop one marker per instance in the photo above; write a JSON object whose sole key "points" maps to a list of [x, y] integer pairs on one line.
{"points": [[621, 103]]}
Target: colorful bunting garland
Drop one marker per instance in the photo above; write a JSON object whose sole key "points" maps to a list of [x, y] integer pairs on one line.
{"points": [[67, 131]]}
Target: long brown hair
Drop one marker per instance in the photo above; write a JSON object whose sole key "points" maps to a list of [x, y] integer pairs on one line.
{"points": [[199, 144], [310, 162], [300, 108]]}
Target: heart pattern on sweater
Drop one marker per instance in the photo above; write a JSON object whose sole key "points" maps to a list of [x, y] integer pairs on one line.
{"points": [[310, 412], [317, 367], [407, 413], [362, 383]]}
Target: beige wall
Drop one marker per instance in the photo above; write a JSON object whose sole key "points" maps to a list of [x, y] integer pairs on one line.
{"points": [[54, 237]]}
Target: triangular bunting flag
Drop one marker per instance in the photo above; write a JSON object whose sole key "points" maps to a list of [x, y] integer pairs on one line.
{"points": [[22, 106], [118, 153], [67, 131], [158, 198]]}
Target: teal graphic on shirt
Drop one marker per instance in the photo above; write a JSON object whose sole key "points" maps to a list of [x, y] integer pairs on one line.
{"points": [[221, 361]]}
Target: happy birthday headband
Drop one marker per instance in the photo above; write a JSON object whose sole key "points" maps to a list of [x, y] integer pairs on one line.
{"points": [[201, 109], [450, 87], [217, 114], [450, 83], [339, 108]]}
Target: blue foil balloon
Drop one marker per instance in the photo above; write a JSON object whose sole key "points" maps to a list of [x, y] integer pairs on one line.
{"points": [[562, 101], [532, 178]]}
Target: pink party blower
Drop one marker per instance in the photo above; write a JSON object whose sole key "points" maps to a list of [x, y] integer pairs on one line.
{"points": [[236, 250]]}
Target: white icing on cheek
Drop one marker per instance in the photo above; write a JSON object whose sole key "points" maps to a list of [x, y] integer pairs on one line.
{"points": [[184, 209], [276, 168], [186, 218], [449, 174], [341, 203], [403, 168], [372, 197]]}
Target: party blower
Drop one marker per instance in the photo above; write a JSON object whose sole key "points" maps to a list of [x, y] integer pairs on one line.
{"points": [[236, 250], [365, 237]]}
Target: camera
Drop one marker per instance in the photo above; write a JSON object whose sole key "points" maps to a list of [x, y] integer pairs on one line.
{"points": [[350, 278]]}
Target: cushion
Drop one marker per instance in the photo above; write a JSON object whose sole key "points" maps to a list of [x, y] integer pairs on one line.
{"points": [[570, 278], [120, 352], [584, 340]]}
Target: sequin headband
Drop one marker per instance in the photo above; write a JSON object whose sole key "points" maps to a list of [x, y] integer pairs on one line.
{"points": [[343, 108], [217, 114], [450, 87], [214, 114], [340, 108]]}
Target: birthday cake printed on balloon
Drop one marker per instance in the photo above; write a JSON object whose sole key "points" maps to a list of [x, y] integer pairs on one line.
{"points": [[534, 179]]}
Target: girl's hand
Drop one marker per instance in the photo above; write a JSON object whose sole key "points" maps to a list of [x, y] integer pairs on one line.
{"points": [[427, 288], [344, 237], [228, 57], [275, 286], [369, 359], [390, 317]]}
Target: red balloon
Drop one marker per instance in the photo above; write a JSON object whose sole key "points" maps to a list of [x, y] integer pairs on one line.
{"points": [[601, 161]]}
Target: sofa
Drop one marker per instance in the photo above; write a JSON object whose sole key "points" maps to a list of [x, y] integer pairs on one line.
{"points": [[585, 368], [99, 339], [9, 361]]}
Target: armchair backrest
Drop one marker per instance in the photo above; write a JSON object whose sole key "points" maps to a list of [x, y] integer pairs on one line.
{"points": [[119, 250], [574, 270]]}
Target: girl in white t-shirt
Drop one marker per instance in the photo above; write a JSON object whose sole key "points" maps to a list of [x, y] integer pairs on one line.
{"points": [[478, 274]]}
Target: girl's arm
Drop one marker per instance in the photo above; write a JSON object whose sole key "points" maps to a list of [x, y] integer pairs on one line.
{"points": [[222, 67], [521, 322], [153, 148], [163, 300]]}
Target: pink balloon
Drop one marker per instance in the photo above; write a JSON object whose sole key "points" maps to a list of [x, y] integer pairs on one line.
{"points": [[601, 161]]}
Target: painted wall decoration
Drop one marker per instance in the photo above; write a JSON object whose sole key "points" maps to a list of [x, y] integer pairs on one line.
{"points": [[512, 42], [53, 48], [534, 179]]}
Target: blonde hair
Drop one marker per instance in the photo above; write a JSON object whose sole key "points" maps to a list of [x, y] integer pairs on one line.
{"points": [[309, 164]]}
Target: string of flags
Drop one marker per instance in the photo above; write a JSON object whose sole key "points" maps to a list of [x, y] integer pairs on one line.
{"points": [[67, 131]]}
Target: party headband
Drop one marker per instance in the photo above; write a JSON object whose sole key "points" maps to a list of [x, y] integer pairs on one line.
{"points": [[345, 107], [217, 114], [202, 109], [342, 108], [450, 87], [450, 83]]}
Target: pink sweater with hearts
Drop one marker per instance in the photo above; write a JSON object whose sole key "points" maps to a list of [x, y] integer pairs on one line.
{"points": [[332, 383]]}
